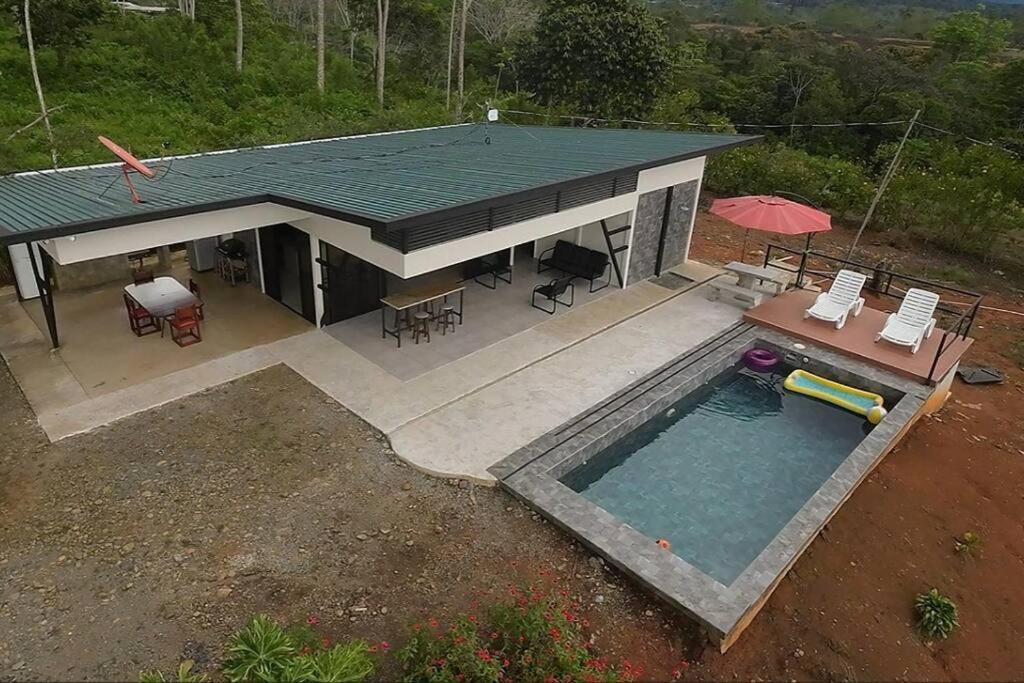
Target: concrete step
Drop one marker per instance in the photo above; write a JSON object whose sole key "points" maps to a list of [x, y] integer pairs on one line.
{"points": [[734, 294]]}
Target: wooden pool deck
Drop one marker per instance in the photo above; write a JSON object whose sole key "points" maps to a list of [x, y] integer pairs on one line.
{"points": [[784, 314]]}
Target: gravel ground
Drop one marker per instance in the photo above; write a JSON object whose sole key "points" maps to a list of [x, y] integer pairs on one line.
{"points": [[148, 541]]}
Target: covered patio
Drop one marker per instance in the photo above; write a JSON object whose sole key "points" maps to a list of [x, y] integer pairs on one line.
{"points": [[488, 316], [100, 354]]}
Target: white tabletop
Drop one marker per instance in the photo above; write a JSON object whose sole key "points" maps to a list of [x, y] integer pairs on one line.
{"points": [[770, 274], [163, 296]]}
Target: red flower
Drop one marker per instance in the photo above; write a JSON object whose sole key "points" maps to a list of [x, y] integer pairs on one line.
{"points": [[373, 648], [326, 642], [483, 655], [494, 635], [555, 633], [312, 621], [472, 619], [385, 645], [505, 663], [433, 622]]}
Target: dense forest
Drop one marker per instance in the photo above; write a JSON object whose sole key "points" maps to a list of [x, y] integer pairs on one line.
{"points": [[832, 86]]}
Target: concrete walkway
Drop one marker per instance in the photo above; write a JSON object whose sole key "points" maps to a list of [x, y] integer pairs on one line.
{"points": [[458, 419]]}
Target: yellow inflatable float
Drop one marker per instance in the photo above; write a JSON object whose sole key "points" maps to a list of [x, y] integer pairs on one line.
{"points": [[855, 400]]}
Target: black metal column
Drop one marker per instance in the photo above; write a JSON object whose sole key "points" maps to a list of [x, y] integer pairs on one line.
{"points": [[44, 278], [664, 229]]}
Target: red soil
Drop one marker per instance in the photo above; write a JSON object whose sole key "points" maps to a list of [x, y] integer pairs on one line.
{"points": [[845, 611]]}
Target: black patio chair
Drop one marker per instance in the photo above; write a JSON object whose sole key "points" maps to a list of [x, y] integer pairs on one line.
{"points": [[552, 291]]}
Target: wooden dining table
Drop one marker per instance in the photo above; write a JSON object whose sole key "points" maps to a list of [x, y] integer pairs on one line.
{"points": [[163, 296]]}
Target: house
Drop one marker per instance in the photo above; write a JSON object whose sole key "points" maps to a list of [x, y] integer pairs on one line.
{"points": [[333, 225]]}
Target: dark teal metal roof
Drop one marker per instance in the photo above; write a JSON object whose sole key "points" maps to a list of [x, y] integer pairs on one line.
{"points": [[390, 181]]}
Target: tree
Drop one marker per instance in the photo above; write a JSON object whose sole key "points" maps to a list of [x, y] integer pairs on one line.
{"points": [[451, 56], [463, 17], [502, 21], [61, 24], [187, 8], [239, 37], [383, 6], [605, 58], [320, 21], [968, 36], [26, 17], [799, 77]]}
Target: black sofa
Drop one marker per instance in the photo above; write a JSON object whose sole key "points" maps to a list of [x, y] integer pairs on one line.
{"points": [[577, 261]]}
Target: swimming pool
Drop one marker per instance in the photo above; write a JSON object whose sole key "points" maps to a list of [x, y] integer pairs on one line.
{"points": [[722, 471], [737, 473]]}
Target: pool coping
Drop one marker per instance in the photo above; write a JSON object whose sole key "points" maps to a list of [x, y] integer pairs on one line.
{"points": [[532, 474]]}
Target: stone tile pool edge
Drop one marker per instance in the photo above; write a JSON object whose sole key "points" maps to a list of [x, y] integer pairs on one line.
{"points": [[532, 474]]}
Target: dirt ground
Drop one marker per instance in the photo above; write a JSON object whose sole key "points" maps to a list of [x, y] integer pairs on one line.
{"points": [[844, 613], [148, 541]]}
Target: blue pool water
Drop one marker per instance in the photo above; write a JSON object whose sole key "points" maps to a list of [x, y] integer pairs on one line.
{"points": [[723, 474]]}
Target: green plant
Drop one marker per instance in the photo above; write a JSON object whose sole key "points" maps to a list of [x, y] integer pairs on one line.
{"points": [[533, 636], [258, 652], [184, 675], [968, 544], [263, 651], [936, 614]]}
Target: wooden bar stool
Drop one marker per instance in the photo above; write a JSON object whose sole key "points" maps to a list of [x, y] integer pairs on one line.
{"points": [[421, 326], [446, 319]]}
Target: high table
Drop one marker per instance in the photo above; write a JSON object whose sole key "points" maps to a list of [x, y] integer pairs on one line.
{"points": [[162, 297], [404, 302]]}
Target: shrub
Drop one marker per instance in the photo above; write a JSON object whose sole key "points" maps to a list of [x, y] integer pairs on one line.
{"points": [[531, 637], [184, 675], [937, 614], [967, 544], [838, 186], [264, 651]]}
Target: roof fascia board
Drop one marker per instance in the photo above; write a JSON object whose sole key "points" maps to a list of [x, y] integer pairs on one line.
{"points": [[415, 220]]}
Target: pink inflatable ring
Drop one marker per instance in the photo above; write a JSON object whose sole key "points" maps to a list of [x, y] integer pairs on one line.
{"points": [[760, 360]]}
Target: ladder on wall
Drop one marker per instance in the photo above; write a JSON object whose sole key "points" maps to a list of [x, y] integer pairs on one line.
{"points": [[613, 251]]}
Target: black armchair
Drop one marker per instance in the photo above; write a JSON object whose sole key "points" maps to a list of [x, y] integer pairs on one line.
{"points": [[552, 291]]}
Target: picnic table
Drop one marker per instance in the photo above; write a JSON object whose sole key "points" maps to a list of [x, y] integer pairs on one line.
{"points": [[162, 297], [407, 301], [747, 275]]}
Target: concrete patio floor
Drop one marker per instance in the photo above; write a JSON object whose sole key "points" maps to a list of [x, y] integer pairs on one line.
{"points": [[489, 316], [460, 418], [99, 354]]}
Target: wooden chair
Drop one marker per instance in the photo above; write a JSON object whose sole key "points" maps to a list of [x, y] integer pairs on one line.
{"points": [[193, 287], [184, 326], [552, 291], [141, 277], [140, 320]]}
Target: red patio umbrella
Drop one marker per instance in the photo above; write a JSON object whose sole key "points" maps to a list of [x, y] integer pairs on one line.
{"points": [[769, 213]]}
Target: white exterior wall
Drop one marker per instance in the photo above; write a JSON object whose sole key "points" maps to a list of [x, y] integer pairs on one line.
{"points": [[22, 267], [140, 236], [578, 224]]}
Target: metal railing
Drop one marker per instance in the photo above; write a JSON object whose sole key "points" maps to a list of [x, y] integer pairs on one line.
{"points": [[881, 282]]}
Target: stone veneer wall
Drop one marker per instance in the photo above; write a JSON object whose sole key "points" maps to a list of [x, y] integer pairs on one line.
{"points": [[647, 229], [92, 272]]}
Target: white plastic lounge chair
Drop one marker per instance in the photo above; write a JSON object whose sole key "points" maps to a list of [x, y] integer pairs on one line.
{"points": [[842, 297], [913, 323]]}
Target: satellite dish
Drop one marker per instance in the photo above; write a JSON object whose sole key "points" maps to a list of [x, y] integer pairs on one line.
{"points": [[129, 164]]}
